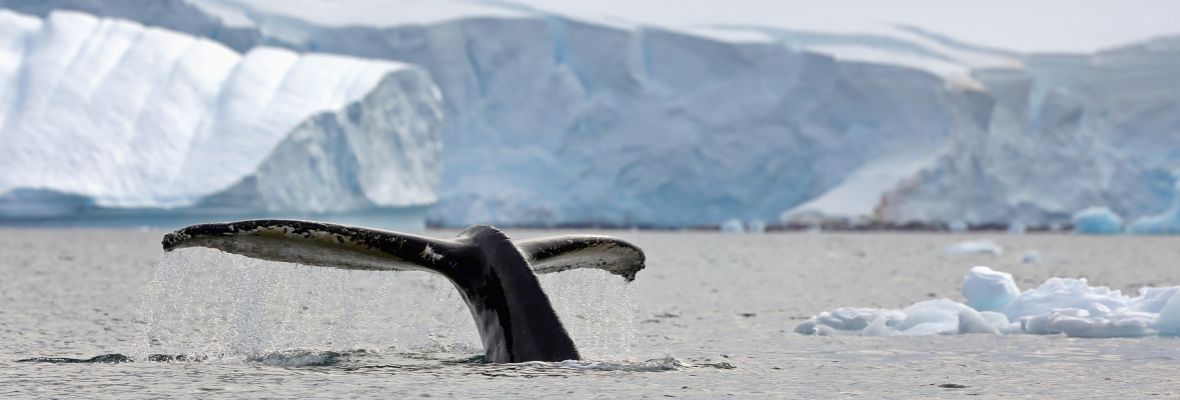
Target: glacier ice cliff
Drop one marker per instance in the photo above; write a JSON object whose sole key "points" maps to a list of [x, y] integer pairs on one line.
{"points": [[597, 124], [1064, 133], [1164, 223], [109, 113], [556, 119]]}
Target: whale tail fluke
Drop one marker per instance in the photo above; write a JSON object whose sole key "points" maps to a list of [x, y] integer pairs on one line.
{"points": [[348, 247], [495, 276], [318, 244], [561, 253]]}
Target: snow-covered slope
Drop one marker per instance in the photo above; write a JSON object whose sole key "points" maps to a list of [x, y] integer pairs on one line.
{"points": [[133, 117]]}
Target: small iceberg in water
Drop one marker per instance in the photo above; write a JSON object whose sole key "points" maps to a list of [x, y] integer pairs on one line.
{"points": [[994, 304], [732, 225], [981, 246], [1097, 221]]}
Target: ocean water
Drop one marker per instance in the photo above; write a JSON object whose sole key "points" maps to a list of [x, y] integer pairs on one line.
{"points": [[711, 316]]}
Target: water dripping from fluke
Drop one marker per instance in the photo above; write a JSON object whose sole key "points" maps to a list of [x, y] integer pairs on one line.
{"points": [[221, 307], [279, 297]]}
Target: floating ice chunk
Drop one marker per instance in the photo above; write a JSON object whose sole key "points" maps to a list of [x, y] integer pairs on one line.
{"points": [[994, 305], [957, 226], [932, 317], [1031, 257], [1064, 293], [879, 327], [849, 319], [1016, 228], [1083, 323], [1097, 221], [943, 316], [1168, 322], [982, 246], [1153, 299], [1000, 322], [732, 225], [1165, 223], [988, 290]]}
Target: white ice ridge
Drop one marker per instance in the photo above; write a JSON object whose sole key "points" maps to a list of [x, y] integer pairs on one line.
{"points": [[994, 304], [134, 116]]}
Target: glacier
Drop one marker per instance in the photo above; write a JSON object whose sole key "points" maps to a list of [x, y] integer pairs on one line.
{"points": [[1062, 134], [588, 114], [99, 113], [607, 125], [994, 304], [1166, 222]]}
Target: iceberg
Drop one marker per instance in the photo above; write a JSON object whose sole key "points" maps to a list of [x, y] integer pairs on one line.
{"points": [[102, 113], [1097, 221], [994, 304], [732, 225]]}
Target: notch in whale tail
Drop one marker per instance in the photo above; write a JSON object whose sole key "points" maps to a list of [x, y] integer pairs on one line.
{"points": [[494, 275]]}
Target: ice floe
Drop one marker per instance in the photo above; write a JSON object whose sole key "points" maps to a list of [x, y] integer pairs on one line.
{"points": [[994, 304]]}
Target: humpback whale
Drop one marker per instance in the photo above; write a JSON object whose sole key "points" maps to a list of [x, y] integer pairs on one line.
{"points": [[494, 275]]}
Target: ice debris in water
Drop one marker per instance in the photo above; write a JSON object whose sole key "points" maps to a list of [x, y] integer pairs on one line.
{"points": [[1167, 222], [995, 305], [732, 225], [982, 246], [1097, 221], [957, 226]]}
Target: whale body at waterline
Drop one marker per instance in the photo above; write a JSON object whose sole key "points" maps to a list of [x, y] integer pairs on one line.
{"points": [[494, 275]]}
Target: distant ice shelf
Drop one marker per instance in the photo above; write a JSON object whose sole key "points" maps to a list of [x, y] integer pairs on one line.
{"points": [[107, 114]]}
